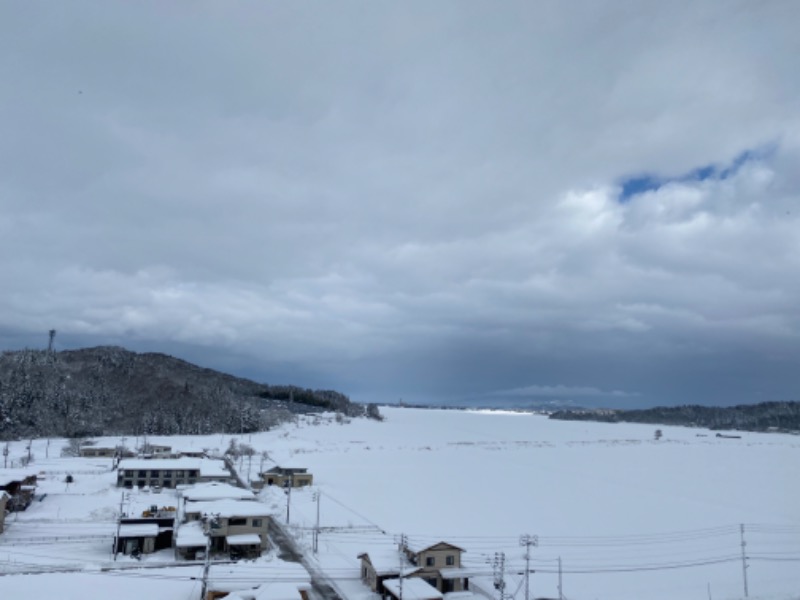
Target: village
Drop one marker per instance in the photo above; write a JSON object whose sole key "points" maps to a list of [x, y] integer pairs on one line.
{"points": [[198, 508]]}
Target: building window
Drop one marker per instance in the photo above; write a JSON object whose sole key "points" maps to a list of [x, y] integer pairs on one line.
{"points": [[450, 560], [256, 522], [142, 473], [430, 561], [154, 473], [236, 521]]}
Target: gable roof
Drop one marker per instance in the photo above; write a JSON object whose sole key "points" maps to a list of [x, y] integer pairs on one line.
{"points": [[388, 561], [216, 490], [229, 508], [414, 588], [417, 547]]}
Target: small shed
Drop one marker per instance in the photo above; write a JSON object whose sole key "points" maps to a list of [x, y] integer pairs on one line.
{"points": [[244, 545], [137, 538], [190, 540], [413, 588]]}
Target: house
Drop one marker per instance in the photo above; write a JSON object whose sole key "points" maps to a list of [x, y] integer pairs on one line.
{"points": [[170, 472], [411, 588], [379, 565], [4, 498], [20, 486], [149, 532], [434, 561], [255, 581], [238, 527], [148, 450], [97, 451], [287, 476]]}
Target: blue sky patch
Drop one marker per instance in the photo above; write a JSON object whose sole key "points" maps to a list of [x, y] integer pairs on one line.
{"points": [[648, 182]]}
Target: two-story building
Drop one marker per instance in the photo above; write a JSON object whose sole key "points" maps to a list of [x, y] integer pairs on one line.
{"points": [[287, 476], [145, 531], [381, 564], [238, 527], [434, 560], [170, 472]]}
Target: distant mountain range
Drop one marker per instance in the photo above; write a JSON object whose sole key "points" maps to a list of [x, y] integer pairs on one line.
{"points": [[108, 390], [766, 416]]}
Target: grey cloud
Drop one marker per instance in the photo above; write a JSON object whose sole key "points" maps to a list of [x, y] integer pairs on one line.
{"points": [[416, 200]]}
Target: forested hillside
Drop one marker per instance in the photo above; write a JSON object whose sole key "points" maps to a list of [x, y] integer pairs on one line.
{"points": [[783, 416], [110, 390]]}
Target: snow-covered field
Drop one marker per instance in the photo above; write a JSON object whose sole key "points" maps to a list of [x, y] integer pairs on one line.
{"points": [[628, 516]]}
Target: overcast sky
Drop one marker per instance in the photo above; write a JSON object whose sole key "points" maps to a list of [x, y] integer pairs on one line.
{"points": [[596, 202]]}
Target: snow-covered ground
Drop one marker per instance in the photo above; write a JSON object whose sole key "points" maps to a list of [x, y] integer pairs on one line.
{"points": [[629, 517]]}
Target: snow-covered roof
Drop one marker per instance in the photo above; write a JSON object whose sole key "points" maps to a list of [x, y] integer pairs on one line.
{"points": [[459, 573], [243, 539], [9, 476], [208, 467], [417, 546], [228, 508], [465, 595], [414, 588], [190, 535], [138, 530], [247, 580], [216, 490], [389, 561]]}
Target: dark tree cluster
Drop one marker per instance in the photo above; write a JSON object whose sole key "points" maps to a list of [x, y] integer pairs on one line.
{"points": [[110, 391], [766, 416]]}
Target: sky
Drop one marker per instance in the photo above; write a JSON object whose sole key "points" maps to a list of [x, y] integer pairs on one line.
{"points": [[590, 202]]}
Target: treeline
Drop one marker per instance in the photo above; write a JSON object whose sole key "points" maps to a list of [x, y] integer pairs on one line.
{"points": [[322, 399], [110, 391], [766, 416]]}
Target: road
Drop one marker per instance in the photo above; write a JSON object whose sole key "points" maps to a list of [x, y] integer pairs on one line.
{"points": [[323, 588]]}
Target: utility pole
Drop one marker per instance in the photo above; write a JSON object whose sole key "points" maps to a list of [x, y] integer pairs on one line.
{"points": [[208, 558], [5, 456], [290, 481], [119, 524], [401, 554], [316, 496], [528, 541], [744, 560], [499, 569], [50, 346], [560, 588]]}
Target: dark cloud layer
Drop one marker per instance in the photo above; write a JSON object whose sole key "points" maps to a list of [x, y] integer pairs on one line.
{"points": [[589, 201]]}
